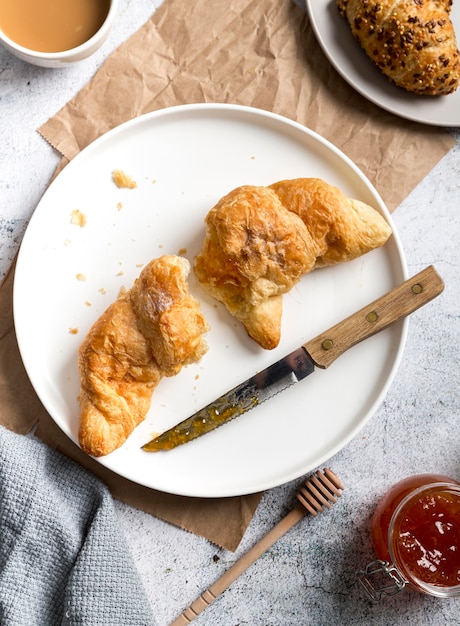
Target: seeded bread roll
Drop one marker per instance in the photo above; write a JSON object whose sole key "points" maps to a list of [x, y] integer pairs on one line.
{"points": [[411, 41]]}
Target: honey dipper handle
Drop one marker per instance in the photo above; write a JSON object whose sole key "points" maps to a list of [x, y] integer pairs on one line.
{"points": [[370, 320], [208, 596]]}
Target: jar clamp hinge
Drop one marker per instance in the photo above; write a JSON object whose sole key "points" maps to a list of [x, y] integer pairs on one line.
{"points": [[381, 579]]}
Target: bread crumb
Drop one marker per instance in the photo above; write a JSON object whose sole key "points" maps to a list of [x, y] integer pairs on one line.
{"points": [[123, 180], [88, 303], [182, 251], [78, 218], [80, 277], [103, 291], [73, 331], [119, 205]]}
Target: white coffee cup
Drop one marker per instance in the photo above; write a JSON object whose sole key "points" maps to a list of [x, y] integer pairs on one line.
{"points": [[64, 57]]}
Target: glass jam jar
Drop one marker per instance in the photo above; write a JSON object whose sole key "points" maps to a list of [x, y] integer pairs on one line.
{"points": [[416, 537]]}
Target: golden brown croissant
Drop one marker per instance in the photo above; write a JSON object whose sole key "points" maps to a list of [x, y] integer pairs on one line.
{"points": [[342, 228], [260, 241], [150, 331], [254, 251], [411, 41]]}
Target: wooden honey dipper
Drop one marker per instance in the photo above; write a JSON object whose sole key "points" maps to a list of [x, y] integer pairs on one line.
{"points": [[316, 494]]}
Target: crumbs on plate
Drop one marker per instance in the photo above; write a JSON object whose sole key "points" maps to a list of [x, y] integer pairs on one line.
{"points": [[78, 218], [123, 180]]}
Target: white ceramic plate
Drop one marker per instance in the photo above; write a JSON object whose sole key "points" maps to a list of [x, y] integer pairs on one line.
{"points": [[345, 54], [183, 160]]}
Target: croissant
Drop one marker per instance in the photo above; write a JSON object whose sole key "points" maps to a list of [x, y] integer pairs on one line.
{"points": [[260, 241], [150, 331], [254, 251], [342, 228], [411, 41]]}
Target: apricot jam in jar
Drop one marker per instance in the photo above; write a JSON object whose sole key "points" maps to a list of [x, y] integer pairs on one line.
{"points": [[416, 537]]}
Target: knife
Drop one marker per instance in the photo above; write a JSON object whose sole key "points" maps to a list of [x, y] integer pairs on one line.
{"points": [[320, 352]]}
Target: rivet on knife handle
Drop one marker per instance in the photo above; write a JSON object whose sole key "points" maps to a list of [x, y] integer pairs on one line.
{"points": [[383, 312]]}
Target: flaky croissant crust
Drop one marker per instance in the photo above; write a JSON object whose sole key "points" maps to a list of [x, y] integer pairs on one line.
{"points": [[412, 41], [150, 331], [260, 241], [253, 252]]}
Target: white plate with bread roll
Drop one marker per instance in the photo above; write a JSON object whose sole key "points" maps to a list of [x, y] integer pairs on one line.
{"points": [[89, 239], [346, 55]]}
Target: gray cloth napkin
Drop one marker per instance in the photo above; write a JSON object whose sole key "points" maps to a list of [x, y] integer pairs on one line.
{"points": [[63, 557]]}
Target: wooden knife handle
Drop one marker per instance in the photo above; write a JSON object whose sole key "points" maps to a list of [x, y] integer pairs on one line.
{"points": [[370, 320]]}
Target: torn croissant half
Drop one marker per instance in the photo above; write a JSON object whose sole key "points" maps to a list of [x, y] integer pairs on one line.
{"points": [[150, 331], [260, 241]]}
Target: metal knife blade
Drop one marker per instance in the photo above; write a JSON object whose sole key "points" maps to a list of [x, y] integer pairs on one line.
{"points": [[320, 351], [257, 389]]}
